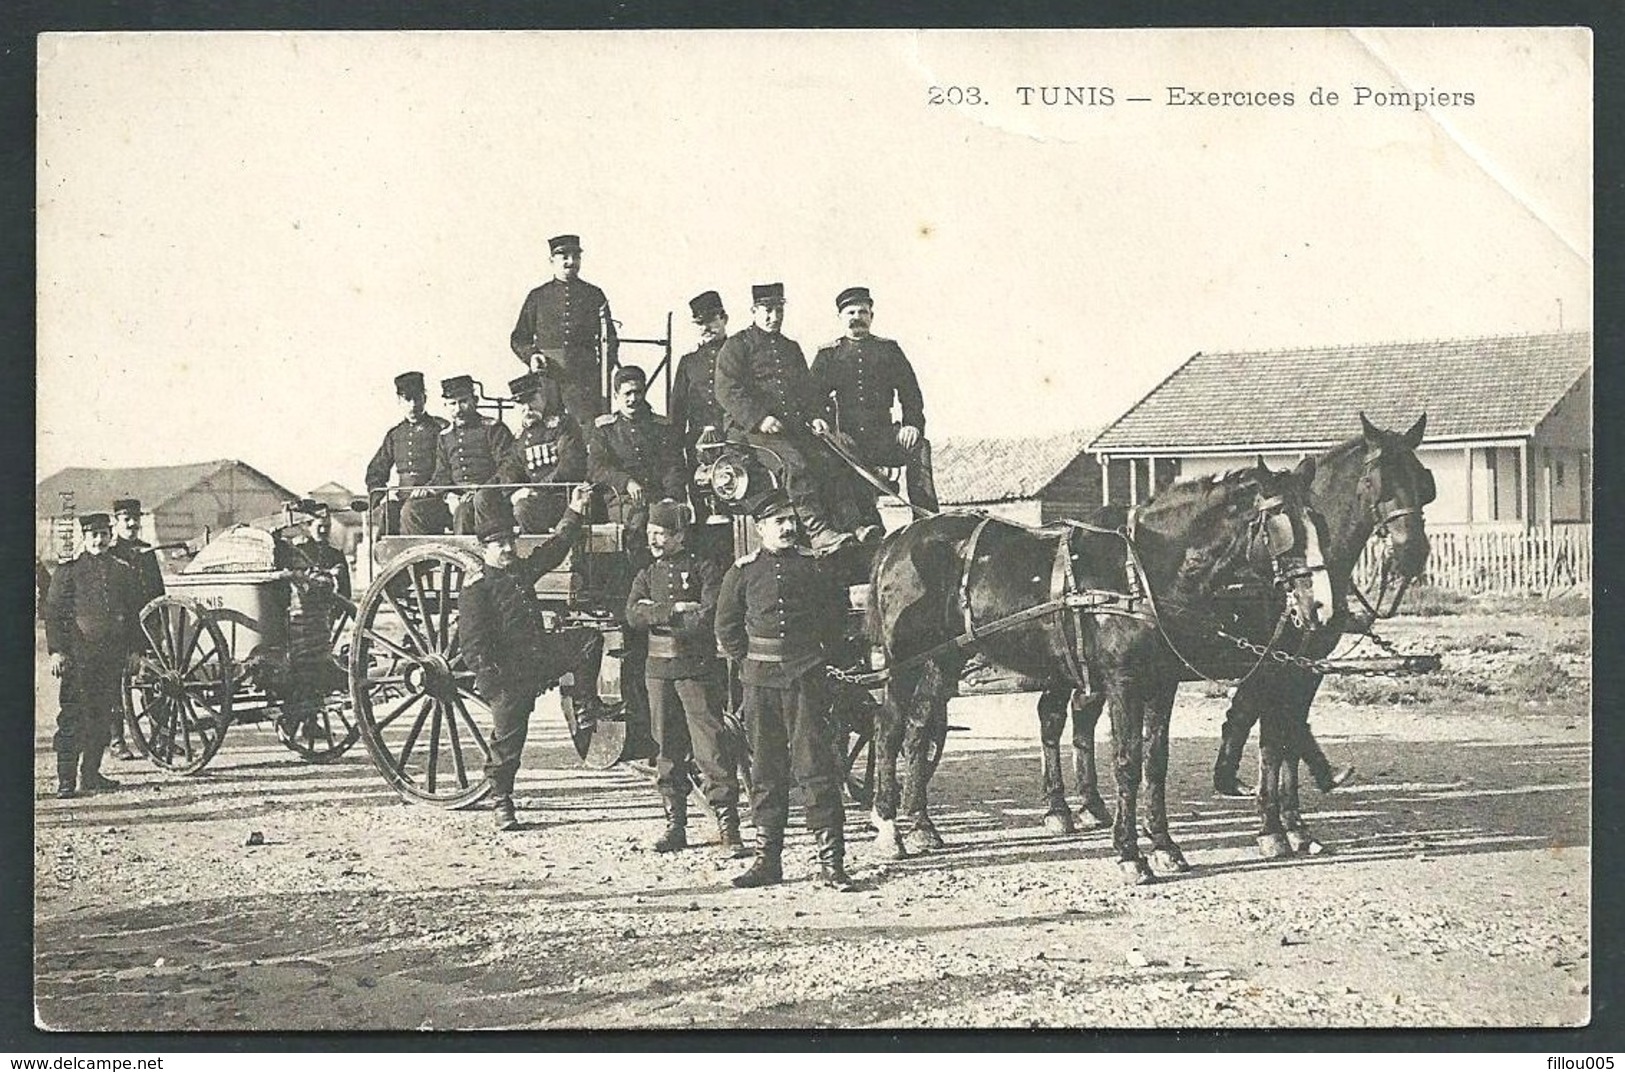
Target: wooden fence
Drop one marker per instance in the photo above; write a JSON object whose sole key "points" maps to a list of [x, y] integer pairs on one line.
{"points": [[1539, 561]]}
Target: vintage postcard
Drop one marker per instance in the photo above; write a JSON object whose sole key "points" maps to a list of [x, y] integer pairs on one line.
{"points": [[506, 499]]}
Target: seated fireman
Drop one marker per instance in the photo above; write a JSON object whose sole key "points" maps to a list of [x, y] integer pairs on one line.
{"points": [[468, 453], [636, 455], [549, 449], [862, 373], [409, 450]]}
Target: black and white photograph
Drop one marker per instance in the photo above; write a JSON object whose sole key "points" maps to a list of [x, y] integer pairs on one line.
{"points": [[865, 529]]}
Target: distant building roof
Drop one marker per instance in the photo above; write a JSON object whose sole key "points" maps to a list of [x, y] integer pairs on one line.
{"points": [[334, 494], [95, 489], [999, 470], [1501, 385]]}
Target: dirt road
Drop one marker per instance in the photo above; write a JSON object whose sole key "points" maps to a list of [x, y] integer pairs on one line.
{"points": [[1456, 894]]}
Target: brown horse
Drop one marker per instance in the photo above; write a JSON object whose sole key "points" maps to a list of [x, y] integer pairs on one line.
{"points": [[1369, 484], [1118, 606]]}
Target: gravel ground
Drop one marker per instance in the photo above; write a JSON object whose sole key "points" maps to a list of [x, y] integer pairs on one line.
{"points": [[1456, 891]]}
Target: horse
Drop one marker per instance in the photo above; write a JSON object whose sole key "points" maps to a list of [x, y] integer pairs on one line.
{"points": [[1118, 605], [1371, 483]]}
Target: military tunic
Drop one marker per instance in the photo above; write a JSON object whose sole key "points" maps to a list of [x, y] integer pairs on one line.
{"points": [[409, 449], [683, 675], [139, 556], [780, 617], [92, 618], [694, 404], [506, 642], [644, 448], [860, 377], [547, 450], [568, 321], [469, 452]]}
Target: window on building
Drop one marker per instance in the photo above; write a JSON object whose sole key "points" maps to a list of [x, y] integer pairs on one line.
{"points": [[1557, 473]]}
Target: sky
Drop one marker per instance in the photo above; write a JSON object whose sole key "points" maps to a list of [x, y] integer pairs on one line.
{"points": [[243, 237]]}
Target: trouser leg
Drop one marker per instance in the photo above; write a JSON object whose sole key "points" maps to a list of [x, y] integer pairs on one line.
{"points": [[579, 652], [813, 758], [801, 479], [769, 760], [424, 517], [669, 727], [712, 753], [538, 513], [922, 481], [100, 687], [510, 722]]}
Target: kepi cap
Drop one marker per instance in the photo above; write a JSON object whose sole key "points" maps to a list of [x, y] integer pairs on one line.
{"points": [[705, 305], [410, 385], [498, 527], [629, 374], [457, 387], [773, 503], [669, 515], [564, 243], [127, 506], [95, 522], [853, 295], [767, 294]]}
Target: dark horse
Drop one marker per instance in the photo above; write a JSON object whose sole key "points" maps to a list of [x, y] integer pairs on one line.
{"points": [[1115, 606], [1369, 484]]}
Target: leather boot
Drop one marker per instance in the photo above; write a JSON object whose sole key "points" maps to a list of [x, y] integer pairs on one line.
{"points": [[675, 836], [832, 859], [767, 869], [922, 483], [67, 776], [90, 773], [1232, 739], [502, 806], [733, 846]]}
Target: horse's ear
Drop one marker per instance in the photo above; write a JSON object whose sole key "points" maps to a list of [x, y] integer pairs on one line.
{"points": [[1413, 437], [1260, 466], [1369, 430], [1305, 472]]}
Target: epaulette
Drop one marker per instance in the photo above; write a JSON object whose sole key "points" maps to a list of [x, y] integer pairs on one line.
{"points": [[604, 420], [748, 559]]}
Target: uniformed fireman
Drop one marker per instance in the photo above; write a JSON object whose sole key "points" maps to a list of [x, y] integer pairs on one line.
{"points": [[549, 449], [313, 549], [694, 409], [674, 599], [468, 454], [506, 642], [780, 618], [566, 329], [635, 455], [409, 449], [770, 401], [861, 373], [129, 548], [91, 624]]}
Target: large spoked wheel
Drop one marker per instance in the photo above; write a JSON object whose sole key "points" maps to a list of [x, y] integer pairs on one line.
{"points": [[859, 715], [326, 733], [412, 692], [178, 699]]}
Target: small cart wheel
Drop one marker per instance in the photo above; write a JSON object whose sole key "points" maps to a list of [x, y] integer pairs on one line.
{"points": [[413, 695], [178, 699], [860, 754], [327, 733]]}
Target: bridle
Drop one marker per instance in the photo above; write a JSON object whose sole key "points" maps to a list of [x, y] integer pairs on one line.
{"points": [[1273, 527], [1381, 520]]}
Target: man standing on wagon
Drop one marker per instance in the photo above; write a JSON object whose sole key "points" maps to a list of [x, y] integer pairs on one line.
{"points": [[409, 449], [468, 454], [92, 620], [565, 328], [129, 548], [863, 372], [770, 400], [549, 449], [506, 642], [694, 408], [674, 599], [780, 617]]}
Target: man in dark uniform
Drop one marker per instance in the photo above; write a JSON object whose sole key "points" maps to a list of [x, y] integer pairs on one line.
{"points": [[409, 448], [507, 644], [694, 409], [91, 623], [780, 617], [549, 449], [129, 548], [320, 571], [863, 372], [565, 327], [770, 401], [674, 599], [468, 453], [313, 548]]}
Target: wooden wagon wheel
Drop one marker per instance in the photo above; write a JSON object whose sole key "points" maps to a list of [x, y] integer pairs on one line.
{"points": [[412, 692], [328, 732], [178, 699], [858, 716]]}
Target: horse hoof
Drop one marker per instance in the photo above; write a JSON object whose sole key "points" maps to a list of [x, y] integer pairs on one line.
{"points": [[1299, 840], [1060, 822], [921, 841], [1341, 776], [888, 845], [1308, 846], [1136, 872], [1170, 861], [1232, 789], [1273, 846]]}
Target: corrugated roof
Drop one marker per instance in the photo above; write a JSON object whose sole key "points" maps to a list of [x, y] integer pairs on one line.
{"points": [[999, 470], [95, 489], [1499, 385]]}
